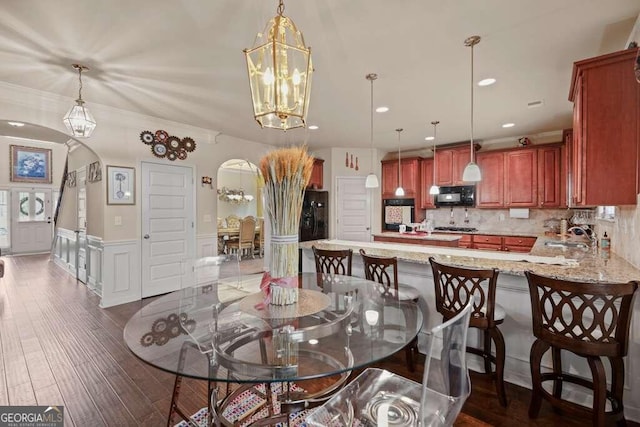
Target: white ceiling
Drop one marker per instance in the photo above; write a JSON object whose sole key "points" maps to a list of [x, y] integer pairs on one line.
{"points": [[182, 60]]}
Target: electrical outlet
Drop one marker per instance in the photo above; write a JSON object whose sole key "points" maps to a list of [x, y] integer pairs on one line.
{"points": [[117, 220], [501, 217]]}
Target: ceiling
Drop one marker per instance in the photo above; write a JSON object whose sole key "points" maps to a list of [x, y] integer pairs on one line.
{"points": [[182, 60]]}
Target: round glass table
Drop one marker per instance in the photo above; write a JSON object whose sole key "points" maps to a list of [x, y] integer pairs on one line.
{"points": [[216, 333]]}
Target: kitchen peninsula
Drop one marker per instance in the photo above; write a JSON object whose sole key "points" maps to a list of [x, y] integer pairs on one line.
{"points": [[574, 263]]}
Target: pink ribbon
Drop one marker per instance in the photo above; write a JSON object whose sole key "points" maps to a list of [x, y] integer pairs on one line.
{"points": [[267, 280]]}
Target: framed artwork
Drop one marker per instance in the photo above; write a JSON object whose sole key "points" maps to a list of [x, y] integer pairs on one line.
{"points": [[95, 172], [29, 164], [71, 179], [121, 185]]}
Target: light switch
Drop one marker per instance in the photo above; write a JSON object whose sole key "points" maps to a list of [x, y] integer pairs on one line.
{"points": [[117, 220], [206, 218]]}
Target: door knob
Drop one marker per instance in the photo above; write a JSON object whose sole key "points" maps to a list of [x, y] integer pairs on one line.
{"points": [[146, 236]]}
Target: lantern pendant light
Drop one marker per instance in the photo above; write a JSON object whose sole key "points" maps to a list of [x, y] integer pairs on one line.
{"points": [[472, 171], [279, 66], [372, 178], [79, 120], [434, 190], [399, 190]]}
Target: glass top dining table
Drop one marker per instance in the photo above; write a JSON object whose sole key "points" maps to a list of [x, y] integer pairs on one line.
{"points": [[215, 332]]}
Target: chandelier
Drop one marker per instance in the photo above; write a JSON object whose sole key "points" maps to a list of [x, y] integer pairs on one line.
{"points": [[234, 196], [79, 120], [279, 66]]}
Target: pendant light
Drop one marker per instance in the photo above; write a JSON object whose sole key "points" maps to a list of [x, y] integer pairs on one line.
{"points": [[280, 68], [472, 171], [434, 190], [79, 120], [399, 190], [372, 178]]}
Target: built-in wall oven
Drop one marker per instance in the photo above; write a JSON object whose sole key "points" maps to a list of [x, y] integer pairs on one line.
{"points": [[398, 211]]}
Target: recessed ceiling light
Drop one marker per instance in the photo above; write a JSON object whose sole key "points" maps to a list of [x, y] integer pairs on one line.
{"points": [[382, 109], [486, 82], [313, 127], [16, 124], [429, 138], [508, 125]]}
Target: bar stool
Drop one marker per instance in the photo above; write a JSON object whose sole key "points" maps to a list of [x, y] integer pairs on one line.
{"points": [[384, 270], [454, 288], [333, 261], [590, 320]]}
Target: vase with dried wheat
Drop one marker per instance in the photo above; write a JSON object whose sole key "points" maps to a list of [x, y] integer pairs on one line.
{"points": [[286, 173]]}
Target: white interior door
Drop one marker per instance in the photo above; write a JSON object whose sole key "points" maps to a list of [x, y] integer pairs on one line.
{"points": [[353, 209], [81, 227], [168, 229], [31, 228]]}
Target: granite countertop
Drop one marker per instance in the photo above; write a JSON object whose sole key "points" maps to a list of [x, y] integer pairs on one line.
{"points": [[586, 265], [420, 235], [491, 233]]}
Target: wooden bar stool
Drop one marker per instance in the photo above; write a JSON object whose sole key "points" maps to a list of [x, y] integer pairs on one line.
{"points": [[333, 261], [590, 320], [384, 270], [455, 287]]}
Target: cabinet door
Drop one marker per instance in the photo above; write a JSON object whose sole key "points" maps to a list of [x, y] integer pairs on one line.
{"points": [[491, 243], [518, 244], [443, 164], [490, 191], [389, 179], [426, 173], [576, 148], [521, 178], [549, 173], [316, 180], [410, 171], [460, 159]]}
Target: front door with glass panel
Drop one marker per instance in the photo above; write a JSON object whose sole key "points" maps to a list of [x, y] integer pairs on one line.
{"points": [[31, 228]]}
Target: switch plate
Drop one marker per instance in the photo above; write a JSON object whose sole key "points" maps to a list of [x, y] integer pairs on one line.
{"points": [[117, 220]]}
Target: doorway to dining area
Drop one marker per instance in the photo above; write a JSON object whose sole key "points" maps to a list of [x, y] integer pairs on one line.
{"points": [[239, 186]]}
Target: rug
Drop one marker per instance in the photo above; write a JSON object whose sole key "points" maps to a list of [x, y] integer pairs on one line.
{"points": [[249, 406]]}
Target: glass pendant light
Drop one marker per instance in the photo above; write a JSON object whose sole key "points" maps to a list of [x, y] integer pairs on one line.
{"points": [[472, 171], [434, 190], [79, 120], [399, 190], [372, 178]]}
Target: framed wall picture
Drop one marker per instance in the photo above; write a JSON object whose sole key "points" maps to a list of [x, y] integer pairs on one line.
{"points": [[121, 185], [29, 164], [95, 172], [71, 179]]}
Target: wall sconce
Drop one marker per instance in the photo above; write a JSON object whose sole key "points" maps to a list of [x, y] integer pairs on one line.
{"points": [[207, 180]]}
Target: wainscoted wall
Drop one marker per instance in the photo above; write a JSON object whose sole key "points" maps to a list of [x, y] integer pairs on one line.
{"points": [[120, 273], [497, 219], [206, 245], [68, 253], [64, 252], [94, 264]]}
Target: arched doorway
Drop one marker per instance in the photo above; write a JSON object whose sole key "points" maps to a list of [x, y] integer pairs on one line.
{"points": [[239, 186]]}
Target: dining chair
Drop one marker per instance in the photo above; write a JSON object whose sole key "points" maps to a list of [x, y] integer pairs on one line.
{"points": [[590, 320], [246, 239], [379, 397], [259, 239], [384, 270], [455, 287], [333, 261]]}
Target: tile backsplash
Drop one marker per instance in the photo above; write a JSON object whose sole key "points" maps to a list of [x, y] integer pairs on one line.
{"points": [[497, 219]]}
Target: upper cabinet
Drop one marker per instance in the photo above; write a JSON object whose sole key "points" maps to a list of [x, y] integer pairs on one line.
{"points": [[450, 164], [521, 178], [426, 173], [410, 174], [490, 191], [606, 123], [317, 175], [551, 179]]}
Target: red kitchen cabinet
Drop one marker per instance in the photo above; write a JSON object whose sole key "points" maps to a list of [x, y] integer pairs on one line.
{"points": [[459, 160], [518, 244], [389, 179], [550, 183], [316, 180], [491, 243], [606, 130], [450, 164], [490, 191], [521, 178], [410, 171], [466, 241], [426, 173]]}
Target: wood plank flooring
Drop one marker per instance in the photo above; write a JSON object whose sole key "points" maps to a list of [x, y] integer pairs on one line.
{"points": [[59, 348]]}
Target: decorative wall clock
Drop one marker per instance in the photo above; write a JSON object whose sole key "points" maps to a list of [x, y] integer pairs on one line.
{"points": [[168, 146]]}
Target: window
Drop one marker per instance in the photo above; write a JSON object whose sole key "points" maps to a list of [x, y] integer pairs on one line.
{"points": [[606, 212]]}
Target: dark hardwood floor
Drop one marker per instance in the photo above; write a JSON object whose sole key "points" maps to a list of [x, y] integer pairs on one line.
{"points": [[59, 348]]}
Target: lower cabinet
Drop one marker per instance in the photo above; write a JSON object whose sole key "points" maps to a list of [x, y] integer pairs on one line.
{"points": [[491, 243], [411, 241], [518, 244]]}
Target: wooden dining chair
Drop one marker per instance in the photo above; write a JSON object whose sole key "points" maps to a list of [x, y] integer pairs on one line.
{"points": [[384, 270], [333, 261], [246, 238], [259, 239]]}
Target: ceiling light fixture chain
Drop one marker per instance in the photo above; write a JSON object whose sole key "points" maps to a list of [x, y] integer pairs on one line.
{"points": [[434, 190], [399, 190], [281, 8], [372, 179], [472, 171]]}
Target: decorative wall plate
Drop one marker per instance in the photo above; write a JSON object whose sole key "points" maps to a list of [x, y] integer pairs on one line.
{"points": [[147, 137], [174, 143], [161, 135], [172, 155], [189, 144], [168, 146], [159, 149]]}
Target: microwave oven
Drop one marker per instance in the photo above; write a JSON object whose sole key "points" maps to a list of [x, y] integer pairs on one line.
{"points": [[459, 195]]}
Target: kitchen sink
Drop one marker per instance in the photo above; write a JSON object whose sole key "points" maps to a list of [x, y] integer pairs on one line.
{"points": [[561, 244]]}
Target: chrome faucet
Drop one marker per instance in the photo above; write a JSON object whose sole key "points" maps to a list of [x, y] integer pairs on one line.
{"points": [[451, 221], [582, 231]]}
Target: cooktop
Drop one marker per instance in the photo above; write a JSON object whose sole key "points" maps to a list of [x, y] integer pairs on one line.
{"points": [[461, 229]]}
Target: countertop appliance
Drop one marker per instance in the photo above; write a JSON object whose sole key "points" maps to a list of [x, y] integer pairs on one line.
{"points": [[398, 211], [314, 218], [460, 195]]}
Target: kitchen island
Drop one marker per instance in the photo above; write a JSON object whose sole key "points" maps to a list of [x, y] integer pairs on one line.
{"points": [[573, 263], [418, 238]]}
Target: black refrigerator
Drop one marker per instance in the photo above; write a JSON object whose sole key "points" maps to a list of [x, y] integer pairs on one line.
{"points": [[314, 219]]}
